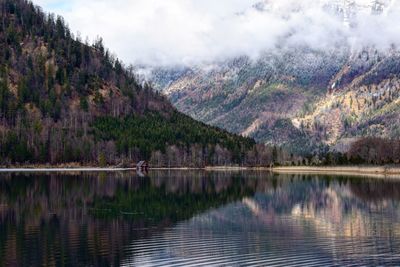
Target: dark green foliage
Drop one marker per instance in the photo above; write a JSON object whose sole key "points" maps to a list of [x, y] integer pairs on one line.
{"points": [[335, 158], [5, 95], [84, 103], [154, 132], [152, 201], [15, 149], [275, 155]]}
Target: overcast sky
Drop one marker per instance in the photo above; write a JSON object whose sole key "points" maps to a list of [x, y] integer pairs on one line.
{"points": [[168, 32]]}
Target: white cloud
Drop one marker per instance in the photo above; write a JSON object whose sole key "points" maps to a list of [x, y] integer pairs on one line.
{"points": [[162, 32]]}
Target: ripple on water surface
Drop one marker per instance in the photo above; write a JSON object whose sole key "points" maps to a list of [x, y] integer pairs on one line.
{"points": [[198, 219]]}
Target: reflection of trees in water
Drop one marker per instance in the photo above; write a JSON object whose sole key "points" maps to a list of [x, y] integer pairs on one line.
{"points": [[89, 218], [342, 205], [347, 218], [322, 191], [340, 209], [376, 189]]}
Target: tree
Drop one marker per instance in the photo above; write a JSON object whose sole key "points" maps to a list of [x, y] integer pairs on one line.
{"points": [[84, 104], [102, 160], [275, 155]]}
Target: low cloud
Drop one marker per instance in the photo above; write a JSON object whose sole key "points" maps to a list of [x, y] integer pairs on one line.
{"points": [[182, 32]]}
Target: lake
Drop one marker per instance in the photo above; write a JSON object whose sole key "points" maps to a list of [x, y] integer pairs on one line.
{"points": [[196, 218]]}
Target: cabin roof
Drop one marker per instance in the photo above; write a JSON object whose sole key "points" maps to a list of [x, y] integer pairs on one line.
{"points": [[142, 163]]}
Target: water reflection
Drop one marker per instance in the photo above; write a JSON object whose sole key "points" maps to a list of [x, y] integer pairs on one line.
{"points": [[197, 218]]}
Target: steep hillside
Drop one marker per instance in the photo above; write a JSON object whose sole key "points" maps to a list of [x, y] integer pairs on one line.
{"points": [[256, 99], [300, 99], [62, 100], [364, 100]]}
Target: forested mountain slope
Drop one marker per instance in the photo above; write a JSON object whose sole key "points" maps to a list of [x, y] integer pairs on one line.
{"points": [[303, 99], [255, 98], [362, 101], [62, 100]]}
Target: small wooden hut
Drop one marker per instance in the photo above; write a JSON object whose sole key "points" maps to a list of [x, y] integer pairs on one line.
{"points": [[142, 166]]}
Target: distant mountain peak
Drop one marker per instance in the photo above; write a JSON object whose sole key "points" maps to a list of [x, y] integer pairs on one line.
{"points": [[345, 8]]}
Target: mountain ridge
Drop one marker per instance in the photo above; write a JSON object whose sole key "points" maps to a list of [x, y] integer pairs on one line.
{"points": [[285, 99]]}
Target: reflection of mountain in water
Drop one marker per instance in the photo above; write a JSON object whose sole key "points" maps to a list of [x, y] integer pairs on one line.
{"points": [[181, 218], [302, 220], [88, 219]]}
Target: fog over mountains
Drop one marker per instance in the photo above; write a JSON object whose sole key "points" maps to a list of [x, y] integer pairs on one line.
{"points": [[179, 32]]}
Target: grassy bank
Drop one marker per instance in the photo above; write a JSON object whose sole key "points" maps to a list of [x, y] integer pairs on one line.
{"points": [[382, 170]]}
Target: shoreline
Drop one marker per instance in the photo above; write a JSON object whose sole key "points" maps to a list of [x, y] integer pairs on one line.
{"points": [[58, 169], [381, 171], [341, 170], [114, 169]]}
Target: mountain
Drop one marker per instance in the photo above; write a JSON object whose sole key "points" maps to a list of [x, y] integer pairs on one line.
{"points": [[63, 100], [254, 98], [306, 99], [301, 99]]}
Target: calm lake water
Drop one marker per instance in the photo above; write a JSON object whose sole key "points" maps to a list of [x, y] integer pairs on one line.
{"points": [[198, 219]]}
